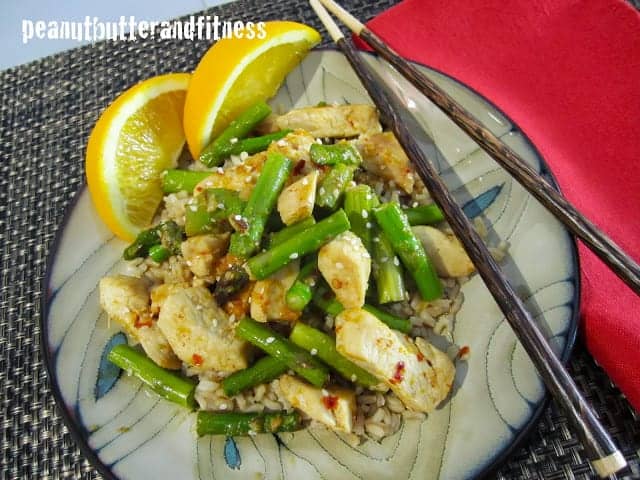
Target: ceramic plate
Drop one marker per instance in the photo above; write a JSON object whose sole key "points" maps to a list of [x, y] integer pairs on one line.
{"points": [[130, 433]]}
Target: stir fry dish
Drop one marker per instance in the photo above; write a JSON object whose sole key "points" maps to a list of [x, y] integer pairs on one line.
{"points": [[293, 277]]}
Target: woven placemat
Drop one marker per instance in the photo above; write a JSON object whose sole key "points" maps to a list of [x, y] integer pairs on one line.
{"points": [[47, 109]]}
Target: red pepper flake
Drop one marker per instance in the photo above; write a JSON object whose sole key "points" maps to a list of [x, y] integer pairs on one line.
{"points": [[398, 375], [298, 168], [143, 321], [196, 359], [330, 402], [198, 189], [463, 352], [420, 356]]}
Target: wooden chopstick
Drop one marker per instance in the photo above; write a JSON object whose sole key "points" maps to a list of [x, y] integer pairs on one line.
{"points": [[605, 248], [606, 458]]}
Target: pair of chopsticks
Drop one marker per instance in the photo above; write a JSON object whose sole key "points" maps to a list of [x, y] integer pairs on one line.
{"points": [[605, 456]]}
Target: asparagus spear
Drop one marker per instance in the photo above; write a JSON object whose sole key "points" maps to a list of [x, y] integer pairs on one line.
{"points": [[387, 270], [333, 185], [261, 202], [216, 151], [334, 154], [310, 240], [256, 144], [297, 359], [263, 371], [324, 347], [175, 180], [288, 232], [232, 281], [141, 245], [235, 423], [328, 304], [359, 201], [395, 225], [165, 383], [424, 214], [158, 253], [299, 294]]}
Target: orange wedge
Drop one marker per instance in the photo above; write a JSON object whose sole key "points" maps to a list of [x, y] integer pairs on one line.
{"points": [[236, 73], [136, 138]]}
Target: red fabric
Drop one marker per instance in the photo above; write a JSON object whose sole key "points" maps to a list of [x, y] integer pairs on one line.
{"points": [[568, 73]]}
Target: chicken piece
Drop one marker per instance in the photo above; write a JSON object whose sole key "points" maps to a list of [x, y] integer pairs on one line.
{"points": [[268, 296], [240, 178], [126, 301], [202, 252], [332, 121], [445, 251], [421, 376], [295, 146], [334, 407], [296, 201], [200, 333], [159, 294], [345, 264], [383, 156]]}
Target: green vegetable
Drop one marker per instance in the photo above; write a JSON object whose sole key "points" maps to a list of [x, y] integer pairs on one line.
{"points": [[263, 371], [333, 186], [218, 150], [297, 359], [359, 202], [171, 235], [299, 294], [324, 347], [387, 270], [141, 245], [182, 180], [158, 253], [231, 282], [209, 212], [324, 300], [168, 233], [401, 324], [333, 154], [300, 244], [261, 202], [288, 232], [424, 214], [256, 144], [396, 227], [165, 383], [235, 423]]}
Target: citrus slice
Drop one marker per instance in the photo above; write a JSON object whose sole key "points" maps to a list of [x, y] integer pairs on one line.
{"points": [[236, 73], [136, 138]]}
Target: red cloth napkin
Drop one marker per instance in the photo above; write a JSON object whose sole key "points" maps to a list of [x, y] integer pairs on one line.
{"points": [[568, 73]]}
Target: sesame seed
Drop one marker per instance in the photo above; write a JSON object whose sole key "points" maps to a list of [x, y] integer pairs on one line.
{"points": [[219, 170], [354, 377], [293, 256], [414, 204], [233, 140], [223, 406], [376, 239], [221, 206], [396, 262], [305, 181], [248, 179], [336, 192], [318, 141], [339, 266], [232, 318], [370, 225], [237, 217], [324, 393], [313, 351], [193, 208], [321, 191], [365, 214], [244, 156], [281, 143], [369, 196], [270, 340]]}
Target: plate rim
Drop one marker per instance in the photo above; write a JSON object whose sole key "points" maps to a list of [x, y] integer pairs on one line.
{"points": [[76, 431]]}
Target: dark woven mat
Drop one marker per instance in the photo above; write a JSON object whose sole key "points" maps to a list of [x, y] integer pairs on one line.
{"points": [[47, 109]]}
